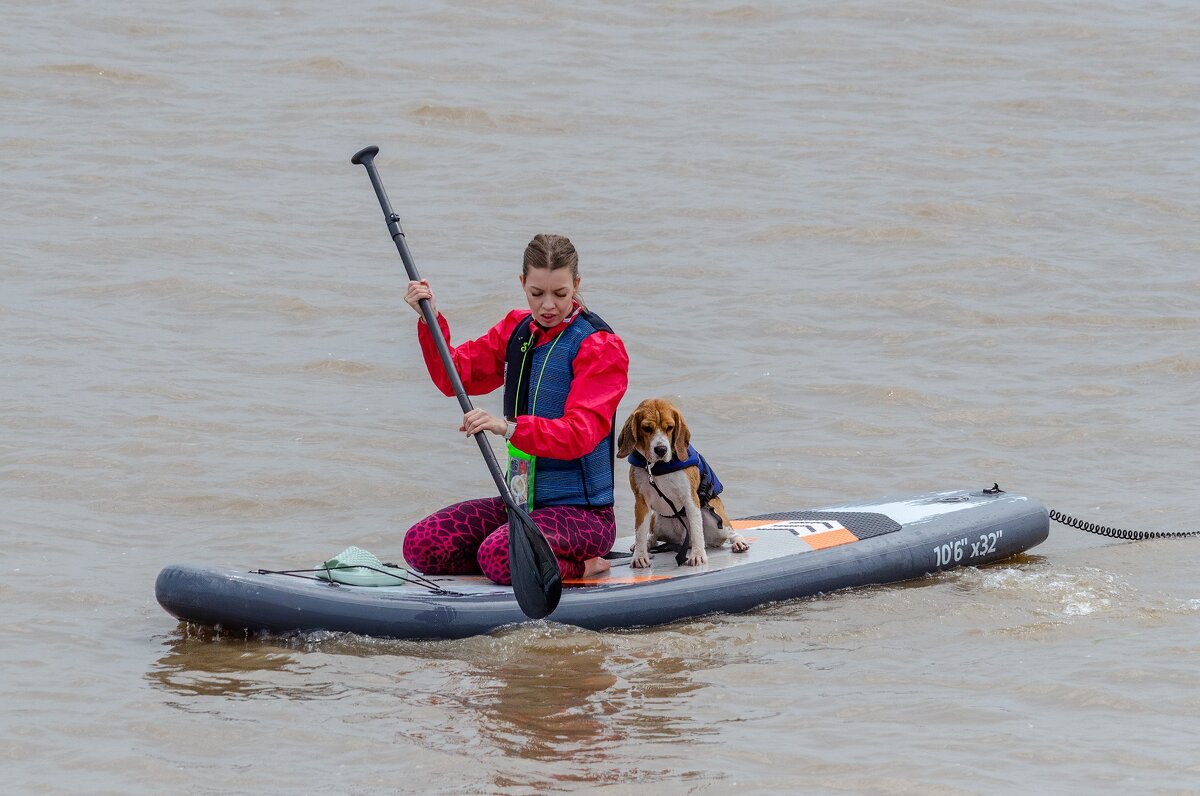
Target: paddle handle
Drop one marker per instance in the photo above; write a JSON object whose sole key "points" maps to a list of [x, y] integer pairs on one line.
{"points": [[366, 158]]}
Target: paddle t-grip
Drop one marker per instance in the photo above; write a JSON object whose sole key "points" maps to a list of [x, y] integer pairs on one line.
{"points": [[364, 155]]}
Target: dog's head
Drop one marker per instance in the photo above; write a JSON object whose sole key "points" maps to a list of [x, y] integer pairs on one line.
{"points": [[656, 430]]}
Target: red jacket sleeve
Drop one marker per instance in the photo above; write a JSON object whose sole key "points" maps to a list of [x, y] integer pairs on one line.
{"points": [[601, 376], [479, 362]]}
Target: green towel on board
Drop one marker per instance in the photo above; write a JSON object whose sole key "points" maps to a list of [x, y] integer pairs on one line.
{"points": [[356, 567]]}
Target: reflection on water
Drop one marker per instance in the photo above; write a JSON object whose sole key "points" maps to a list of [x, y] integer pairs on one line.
{"points": [[201, 661], [535, 692], [550, 698], [559, 691]]}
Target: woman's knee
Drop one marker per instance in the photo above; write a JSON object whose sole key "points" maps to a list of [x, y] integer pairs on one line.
{"points": [[578, 534], [493, 557], [424, 548], [442, 544]]}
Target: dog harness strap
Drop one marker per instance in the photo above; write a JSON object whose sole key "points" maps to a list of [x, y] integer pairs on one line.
{"points": [[679, 513], [681, 549]]}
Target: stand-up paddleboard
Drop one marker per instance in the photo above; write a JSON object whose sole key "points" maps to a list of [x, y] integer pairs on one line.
{"points": [[793, 554]]}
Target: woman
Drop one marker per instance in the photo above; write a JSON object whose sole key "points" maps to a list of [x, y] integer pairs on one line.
{"points": [[564, 372]]}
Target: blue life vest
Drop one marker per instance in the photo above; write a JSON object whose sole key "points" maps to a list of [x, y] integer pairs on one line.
{"points": [[710, 485], [546, 371]]}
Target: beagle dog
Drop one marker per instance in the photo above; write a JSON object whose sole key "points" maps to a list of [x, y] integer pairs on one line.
{"points": [[674, 489]]}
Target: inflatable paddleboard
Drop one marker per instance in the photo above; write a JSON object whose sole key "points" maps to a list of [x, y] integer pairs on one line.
{"points": [[792, 554]]}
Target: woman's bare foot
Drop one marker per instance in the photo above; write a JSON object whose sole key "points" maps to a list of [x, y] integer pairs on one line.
{"points": [[595, 566]]}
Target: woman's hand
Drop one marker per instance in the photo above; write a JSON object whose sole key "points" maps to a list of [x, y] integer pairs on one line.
{"points": [[417, 291], [478, 420]]}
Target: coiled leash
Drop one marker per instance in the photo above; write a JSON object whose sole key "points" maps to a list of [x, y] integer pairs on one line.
{"points": [[1117, 533], [1105, 530]]}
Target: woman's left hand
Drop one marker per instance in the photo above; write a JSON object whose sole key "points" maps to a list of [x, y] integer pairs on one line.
{"points": [[478, 420]]}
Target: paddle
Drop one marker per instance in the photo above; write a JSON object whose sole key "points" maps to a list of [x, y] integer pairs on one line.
{"points": [[536, 580]]}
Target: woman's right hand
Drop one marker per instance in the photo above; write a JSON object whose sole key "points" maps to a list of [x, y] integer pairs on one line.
{"points": [[417, 291]]}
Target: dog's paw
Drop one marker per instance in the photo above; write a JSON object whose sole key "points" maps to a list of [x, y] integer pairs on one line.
{"points": [[697, 557], [739, 544], [640, 560]]}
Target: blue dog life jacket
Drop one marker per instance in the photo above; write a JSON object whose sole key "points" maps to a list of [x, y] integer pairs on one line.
{"points": [[710, 485]]}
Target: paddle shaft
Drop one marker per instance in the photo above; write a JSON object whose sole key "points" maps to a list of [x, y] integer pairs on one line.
{"points": [[536, 579], [367, 158]]}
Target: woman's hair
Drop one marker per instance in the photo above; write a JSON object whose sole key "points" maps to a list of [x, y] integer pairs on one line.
{"points": [[551, 252]]}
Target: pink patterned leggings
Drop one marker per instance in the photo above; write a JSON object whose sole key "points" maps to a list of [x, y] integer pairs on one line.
{"points": [[472, 537]]}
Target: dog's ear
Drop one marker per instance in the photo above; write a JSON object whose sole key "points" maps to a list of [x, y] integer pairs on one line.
{"points": [[683, 437], [627, 439]]}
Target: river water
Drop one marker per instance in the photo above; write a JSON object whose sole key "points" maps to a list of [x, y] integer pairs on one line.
{"points": [[871, 248]]}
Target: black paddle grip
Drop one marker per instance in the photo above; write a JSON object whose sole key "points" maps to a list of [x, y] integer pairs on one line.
{"points": [[364, 155]]}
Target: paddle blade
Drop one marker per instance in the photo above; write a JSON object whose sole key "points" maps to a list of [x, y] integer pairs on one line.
{"points": [[536, 580]]}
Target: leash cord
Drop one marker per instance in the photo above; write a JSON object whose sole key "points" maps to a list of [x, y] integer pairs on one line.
{"points": [[1117, 533]]}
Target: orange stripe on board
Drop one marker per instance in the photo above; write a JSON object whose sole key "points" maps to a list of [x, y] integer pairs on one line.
{"points": [[819, 541], [603, 581], [743, 525]]}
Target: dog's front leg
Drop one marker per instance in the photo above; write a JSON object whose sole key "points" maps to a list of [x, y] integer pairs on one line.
{"points": [[696, 554], [643, 519]]}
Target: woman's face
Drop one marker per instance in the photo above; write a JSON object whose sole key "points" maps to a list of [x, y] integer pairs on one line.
{"points": [[550, 294]]}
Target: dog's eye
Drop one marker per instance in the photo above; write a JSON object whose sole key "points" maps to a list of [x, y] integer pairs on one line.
{"points": [[647, 426], [668, 427]]}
